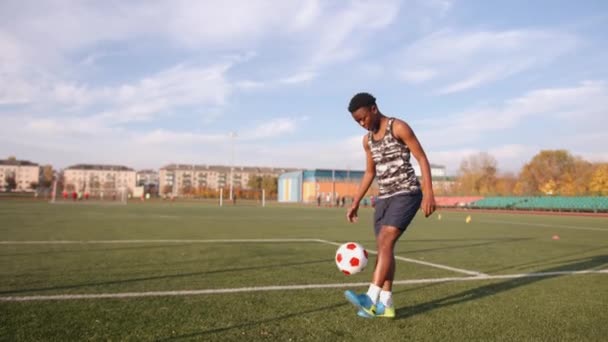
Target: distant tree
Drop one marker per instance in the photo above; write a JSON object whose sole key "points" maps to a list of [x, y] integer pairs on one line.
{"points": [[33, 185], [151, 189], [255, 182], [270, 184], [47, 176], [11, 182], [477, 175], [583, 171], [505, 184], [95, 185], [167, 189], [267, 183], [598, 184], [553, 172], [187, 189], [60, 180], [12, 158]]}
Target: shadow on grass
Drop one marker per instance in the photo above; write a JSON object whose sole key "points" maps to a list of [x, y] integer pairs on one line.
{"points": [[201, 334], [492, 289], [169, 276], [544, 261]]}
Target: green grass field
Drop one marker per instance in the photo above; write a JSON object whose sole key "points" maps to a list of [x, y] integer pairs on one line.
{"points": [[169, 271]]}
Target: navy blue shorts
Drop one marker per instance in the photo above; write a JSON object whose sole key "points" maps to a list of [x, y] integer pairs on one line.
{"points": [[397, 211]]}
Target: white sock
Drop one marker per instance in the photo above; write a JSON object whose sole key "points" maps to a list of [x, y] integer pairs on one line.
{"points": [[373, 292], [386, 298]]}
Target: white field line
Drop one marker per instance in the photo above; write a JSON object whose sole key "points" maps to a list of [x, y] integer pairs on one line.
{"points": [[415, 261], [67, 242], [286, 287], [547, 225]]}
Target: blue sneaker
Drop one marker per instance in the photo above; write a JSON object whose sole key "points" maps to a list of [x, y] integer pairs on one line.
{"points": [[362, 302]]}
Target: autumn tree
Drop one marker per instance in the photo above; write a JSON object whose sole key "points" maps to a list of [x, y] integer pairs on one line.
{"points": [[505, 184], [167, 189], [47, 176], [11, 182], [255, 182], [576, 182], [266, 183], [271, 185], [552, 172], [598, 184], [477, 175]]}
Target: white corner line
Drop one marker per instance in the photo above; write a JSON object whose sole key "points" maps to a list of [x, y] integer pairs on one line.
{"points": [[283, 287]]}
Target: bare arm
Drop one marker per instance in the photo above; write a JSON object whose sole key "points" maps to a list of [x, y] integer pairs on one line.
{"points": [[366, 182], [405, 133]]}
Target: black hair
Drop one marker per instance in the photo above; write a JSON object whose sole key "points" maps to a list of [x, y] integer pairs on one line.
{"points": [[361, 100]]}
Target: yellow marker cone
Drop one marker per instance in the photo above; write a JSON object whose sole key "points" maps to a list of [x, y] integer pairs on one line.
{"points": [[439, 217], [468, 220]]}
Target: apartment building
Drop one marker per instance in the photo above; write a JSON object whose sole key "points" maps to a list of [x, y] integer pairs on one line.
{"points": [[94, 179], [24, 173], [147, 178], [174, 178]]}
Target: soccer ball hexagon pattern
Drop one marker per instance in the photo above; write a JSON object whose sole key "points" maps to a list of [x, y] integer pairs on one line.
{"points": [[351, 258]]}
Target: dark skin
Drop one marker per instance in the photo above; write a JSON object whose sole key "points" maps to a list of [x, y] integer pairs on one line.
{"points": [[371, 119]]}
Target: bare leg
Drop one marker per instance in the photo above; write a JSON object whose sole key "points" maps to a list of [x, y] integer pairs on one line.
{"points": [[385, 265], [388, 282]]}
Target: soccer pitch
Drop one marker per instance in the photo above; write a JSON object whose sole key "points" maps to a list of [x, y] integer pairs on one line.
{"points": [[194, 271]]}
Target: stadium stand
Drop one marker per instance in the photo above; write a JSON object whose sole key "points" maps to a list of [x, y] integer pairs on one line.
{"points": [[565, 203], [554, 203]]}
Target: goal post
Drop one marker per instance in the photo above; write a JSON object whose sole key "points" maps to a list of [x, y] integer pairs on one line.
{"points": [[71, 194]]}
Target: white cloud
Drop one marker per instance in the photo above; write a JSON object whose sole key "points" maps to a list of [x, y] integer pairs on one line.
{"points": [[306, 15], [417, 75], [271, 129], [510, 157], [165, 137], [145, 99], [580, 108], [356, 21], [584, 100], [343, 153], [297, 78], [304, 76], [466, 60]]}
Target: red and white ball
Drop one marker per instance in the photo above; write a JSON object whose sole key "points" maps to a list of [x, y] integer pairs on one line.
{"points": [[351, 258]]}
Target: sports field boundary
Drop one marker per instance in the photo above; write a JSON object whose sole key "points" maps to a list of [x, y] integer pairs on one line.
{"points": [[123, 295]]}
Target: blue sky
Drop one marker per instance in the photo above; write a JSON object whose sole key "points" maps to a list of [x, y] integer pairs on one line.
{"points": [[147, 83]]}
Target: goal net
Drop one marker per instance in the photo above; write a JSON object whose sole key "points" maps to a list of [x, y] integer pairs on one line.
{"points": [[103, 194]]}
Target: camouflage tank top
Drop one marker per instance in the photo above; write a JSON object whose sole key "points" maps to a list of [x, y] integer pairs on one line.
{"points": [[394, 172]]}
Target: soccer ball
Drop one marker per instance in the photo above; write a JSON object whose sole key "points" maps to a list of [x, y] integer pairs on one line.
{"points": [[351, 258]]}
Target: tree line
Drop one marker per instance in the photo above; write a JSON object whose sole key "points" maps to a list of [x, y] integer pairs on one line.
{"points": [[550, 172]]}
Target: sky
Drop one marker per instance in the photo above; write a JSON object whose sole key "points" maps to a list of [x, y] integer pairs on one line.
{"points": [[267, 82]]}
